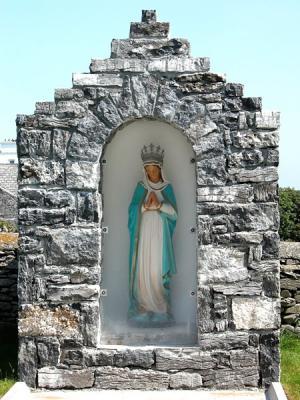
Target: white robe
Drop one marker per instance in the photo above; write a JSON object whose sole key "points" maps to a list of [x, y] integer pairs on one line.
{"points": [[149, 285]]}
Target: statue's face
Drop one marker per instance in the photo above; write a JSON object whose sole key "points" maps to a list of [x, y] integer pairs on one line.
{"points": [[153, 172]]}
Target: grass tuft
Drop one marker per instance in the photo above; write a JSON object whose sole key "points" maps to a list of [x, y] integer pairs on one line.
{"points": [[290, 365]]}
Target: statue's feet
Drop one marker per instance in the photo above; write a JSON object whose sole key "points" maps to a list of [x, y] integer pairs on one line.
{"points": [[142, 319], [162, 319]]}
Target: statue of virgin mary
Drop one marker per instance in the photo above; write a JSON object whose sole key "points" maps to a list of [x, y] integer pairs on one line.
{"points": [[151, 223]]}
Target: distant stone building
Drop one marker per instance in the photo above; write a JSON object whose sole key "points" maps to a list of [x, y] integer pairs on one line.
{"points": [[8, 152], [8, 180]]}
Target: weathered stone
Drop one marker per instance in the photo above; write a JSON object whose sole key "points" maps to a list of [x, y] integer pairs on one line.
{"points": [[98, 357], [266, 192], [255, 139], [82, 148], [27, 362], [183, 358], [87, 208], [256, 313], [290, 284], [73, 246], [245, 158], [125, 378], [209, 146], [179, 65], [54, 378], [82, 175], [231, 379], [285, 294], [287, 302], [144, 92], [97, 80], [60, 141], [31, 216], [185, 380], [201, 128], [252, 103], [259, 174], [69, 109], [166, 103], [152, 30], [48, 349], [137, 358], [204, 307], [89, 323], [248, 288], [189, 110], [243, 358], [267, 120], [149, 48], [31, 197], [269, 357], [224, 341], [227, 194], [234, 89], [72, 357], [72, 293], [290, 250], [34, 143], [41, 172], [108, 113], [44, 107], [212, 171], [68, 94], [293, 310], [59, 198], [221, 264], [35, 320]]}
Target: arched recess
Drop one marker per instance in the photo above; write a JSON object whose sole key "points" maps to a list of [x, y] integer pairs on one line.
{"points": [[121, 170]]}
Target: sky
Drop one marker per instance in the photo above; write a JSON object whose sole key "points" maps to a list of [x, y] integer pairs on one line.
{"points": [[256, 43]]}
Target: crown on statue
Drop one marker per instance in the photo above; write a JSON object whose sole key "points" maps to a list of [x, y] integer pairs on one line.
{"points": [[152, 154]]}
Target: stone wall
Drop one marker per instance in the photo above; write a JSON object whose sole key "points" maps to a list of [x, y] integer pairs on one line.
{"points": [[60, 151], [8, 281], [290, 285]]}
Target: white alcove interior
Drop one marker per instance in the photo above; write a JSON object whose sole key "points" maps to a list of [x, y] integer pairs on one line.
{"points": [[122, 169]]}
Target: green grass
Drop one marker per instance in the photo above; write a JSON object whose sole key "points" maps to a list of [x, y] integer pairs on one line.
{"points": [[8, 360], [290, 365]]}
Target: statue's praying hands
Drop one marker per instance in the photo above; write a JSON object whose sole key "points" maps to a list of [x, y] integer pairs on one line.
{"points": [[152, 202]]}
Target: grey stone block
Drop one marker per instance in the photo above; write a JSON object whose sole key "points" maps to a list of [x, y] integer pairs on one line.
{"points": [[183, 358], [149, 48], [73, 246], [82, 175], [27, 362], [54, 378], [256, 313], [125, 378], [185, 380], [224, 341], [80, 80]]}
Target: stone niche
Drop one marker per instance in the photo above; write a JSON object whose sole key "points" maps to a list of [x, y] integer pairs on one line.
{"points": [[149, 79]]}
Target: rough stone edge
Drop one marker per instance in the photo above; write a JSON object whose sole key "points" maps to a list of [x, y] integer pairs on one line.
{"points": [[18, 391], [276, 392]]}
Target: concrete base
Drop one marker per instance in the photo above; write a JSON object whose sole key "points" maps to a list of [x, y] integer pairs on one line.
{"points": [[150, 395], [21, 391]]}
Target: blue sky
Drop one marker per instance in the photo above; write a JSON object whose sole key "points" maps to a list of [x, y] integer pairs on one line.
{"points": [[256, 43]]}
